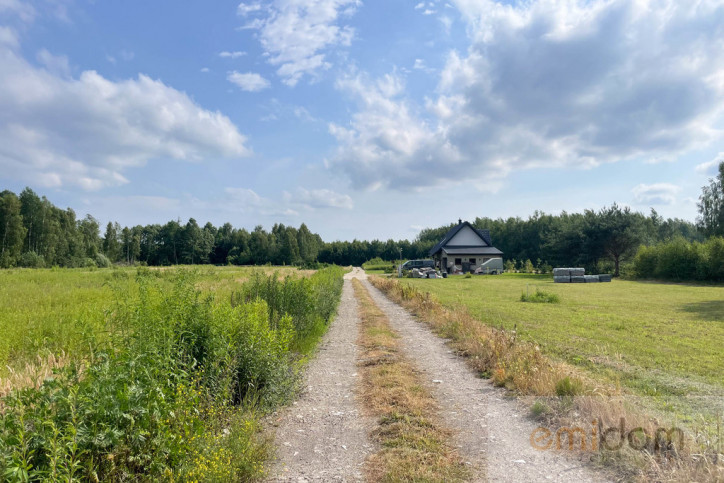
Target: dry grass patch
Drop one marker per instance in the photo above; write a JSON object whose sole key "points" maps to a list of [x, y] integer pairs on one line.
{"points": [[33, 374], [571, 398], [414, 445]]}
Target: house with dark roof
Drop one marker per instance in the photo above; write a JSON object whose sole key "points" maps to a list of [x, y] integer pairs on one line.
{"points": [[465, 248]]}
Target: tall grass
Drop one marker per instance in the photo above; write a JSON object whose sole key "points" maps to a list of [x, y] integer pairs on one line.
{"points": [[311, 302], [171, 393]]}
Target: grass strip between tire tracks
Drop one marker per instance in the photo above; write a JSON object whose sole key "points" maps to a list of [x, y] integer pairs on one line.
{"points": [[414, 446]]}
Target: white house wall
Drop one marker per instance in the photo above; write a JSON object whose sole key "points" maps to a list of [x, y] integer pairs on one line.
{"points": [[466, 237]]}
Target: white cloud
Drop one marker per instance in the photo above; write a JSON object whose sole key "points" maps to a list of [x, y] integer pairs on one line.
{"points": [[656, 194], [245, 196], [249, 81], [8, 37], [549, 83], [296, 35], [231, 55], [245, 9], [319, 198], [245, 200], [420, 6], [205, 70], [55, 64], [386, 142], [18, 8], [711, 167], [85, 132]]}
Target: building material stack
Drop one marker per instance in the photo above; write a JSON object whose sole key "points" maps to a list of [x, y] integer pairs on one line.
{"points": [[577, 275]]}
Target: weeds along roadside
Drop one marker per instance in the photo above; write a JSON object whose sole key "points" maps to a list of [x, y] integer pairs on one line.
{"points": [[413, 444], [561, 395], [175, 393]]}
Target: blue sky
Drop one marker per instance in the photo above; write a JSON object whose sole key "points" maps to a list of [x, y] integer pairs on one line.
{"points": [[366, 119]]}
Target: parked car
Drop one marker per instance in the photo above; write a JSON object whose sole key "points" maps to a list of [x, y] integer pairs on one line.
{"points": [[410, 264]]}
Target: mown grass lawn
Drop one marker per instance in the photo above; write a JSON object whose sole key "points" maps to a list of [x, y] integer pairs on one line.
{"points": [[52, 310], [656, 338]]}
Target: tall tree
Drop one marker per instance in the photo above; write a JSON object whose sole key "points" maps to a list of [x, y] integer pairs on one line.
{"points": [[31, 207], [12, 231], [308, 248], [618, 233], [111, 244], [711, 206], [90, 236]]}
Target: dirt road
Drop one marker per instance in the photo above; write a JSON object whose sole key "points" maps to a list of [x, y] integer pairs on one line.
{"points": [[324, 436]]}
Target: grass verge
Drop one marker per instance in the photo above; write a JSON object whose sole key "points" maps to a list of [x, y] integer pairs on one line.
{"points": [[571, 397], [414, 445]]}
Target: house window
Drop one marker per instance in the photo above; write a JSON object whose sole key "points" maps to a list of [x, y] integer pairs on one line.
{"points": [[458, 261], [472, 261]]}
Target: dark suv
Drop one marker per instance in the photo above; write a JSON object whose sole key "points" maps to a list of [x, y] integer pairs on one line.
{"points": [[409, 265]]}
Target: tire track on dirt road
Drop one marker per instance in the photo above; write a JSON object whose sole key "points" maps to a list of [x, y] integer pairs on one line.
{"points": [[492, 430], [323, 436]]}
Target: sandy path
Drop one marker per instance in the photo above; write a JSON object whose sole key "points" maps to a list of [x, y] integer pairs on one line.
{"points": [[323, 436], [492, 432]]}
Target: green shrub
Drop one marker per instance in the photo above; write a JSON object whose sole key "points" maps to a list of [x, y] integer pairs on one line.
{"points": [[307, 300], [540, 296], [681, 260], [31, 260], [102, 261], [568, 387], [540, 410]]}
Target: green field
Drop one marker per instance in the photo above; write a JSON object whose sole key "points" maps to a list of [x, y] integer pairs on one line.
{"points": [[164, 374], [64, 310], [655, 338]]}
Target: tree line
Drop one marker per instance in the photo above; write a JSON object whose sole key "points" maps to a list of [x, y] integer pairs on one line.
{"points": [[35, 233]]}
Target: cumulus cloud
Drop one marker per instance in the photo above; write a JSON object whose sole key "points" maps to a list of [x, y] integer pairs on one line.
{"points": [[549, 83], [386, 143], [249, 81], [296, 35], [62, 131], [656, 194], [319, 198], [711, 167]]}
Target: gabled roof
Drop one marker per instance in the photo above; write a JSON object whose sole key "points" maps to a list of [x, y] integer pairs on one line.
{"points": [[483, 234], [471, 251]]}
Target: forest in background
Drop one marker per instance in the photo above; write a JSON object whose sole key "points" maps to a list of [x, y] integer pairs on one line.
{"points": [[36, 233]]}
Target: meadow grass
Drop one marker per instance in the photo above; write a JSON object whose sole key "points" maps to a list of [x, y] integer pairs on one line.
{"points": [[63, 312], [656, 338], [175, 389]]}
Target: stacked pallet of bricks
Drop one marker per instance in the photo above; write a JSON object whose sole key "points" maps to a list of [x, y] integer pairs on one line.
{"points": [[577, 275]]}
